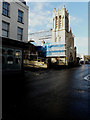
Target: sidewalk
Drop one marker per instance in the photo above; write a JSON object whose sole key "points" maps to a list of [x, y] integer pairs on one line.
{"points": [[35, 64]]}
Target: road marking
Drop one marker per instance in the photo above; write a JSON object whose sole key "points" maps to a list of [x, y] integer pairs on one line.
{"points": [[87, 77]]}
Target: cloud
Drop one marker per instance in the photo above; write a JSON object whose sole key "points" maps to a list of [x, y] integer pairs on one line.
{"points": [[74, 20], [37, 6], [39, 17], [55, 0], [81, 44], [40, 21]]}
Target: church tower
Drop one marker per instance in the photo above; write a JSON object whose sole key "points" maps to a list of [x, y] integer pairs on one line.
{"points": [[60, 24]]}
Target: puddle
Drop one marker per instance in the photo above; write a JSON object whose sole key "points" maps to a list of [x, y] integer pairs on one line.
{"points": [[37, 74], [80, 91], [88, 86]]}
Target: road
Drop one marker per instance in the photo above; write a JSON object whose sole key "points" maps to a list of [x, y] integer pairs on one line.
{"points": [[48, 94]]}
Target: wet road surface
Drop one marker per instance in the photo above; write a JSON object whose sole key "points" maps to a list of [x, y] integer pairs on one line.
{"points": [[48, 94]]}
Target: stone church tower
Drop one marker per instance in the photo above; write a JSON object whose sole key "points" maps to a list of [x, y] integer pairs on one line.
{"points": [[60, 24], [62, 35]]}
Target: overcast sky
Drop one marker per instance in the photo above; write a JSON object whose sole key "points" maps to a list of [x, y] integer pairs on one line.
{"points": [[40, 18]]}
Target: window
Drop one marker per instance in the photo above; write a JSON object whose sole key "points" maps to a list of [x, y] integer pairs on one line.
{"points": [[17, 60], [20, 16], [60, 21], [56, 22], [5, 9], [18, 53], [5, 29], [19, 33], [18, 57], [3, 51], [10, 60], [10, 52]]}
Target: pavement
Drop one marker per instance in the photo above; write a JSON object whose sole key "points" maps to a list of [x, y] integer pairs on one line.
{"points": [[48, 94], [34, 64]]}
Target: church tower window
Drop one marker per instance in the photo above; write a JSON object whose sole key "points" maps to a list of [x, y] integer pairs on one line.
{"points": [[56, 22], [59, 22]]}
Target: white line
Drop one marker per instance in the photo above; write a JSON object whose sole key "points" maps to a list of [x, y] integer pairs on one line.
{"points": [[87, 77]]}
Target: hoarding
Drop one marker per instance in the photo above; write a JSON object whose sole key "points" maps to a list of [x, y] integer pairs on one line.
{"points": [[55, 50]]}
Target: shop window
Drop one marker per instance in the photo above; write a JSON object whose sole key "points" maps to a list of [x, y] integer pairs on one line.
{"points": [[17, 60], [3, 51], [10, 52], [18, 53], [10, 60]]}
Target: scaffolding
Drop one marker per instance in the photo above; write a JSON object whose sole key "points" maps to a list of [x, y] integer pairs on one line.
{"points": [[41, 35]]}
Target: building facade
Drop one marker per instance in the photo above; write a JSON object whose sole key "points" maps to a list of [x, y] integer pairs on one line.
{"points": [[13, 33], [14, 22], [62, 46]]}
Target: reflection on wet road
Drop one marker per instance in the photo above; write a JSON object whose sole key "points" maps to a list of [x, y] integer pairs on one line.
{"points": [[52, 94]]}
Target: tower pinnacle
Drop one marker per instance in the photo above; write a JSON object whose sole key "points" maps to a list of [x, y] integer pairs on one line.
{"points": [[63, 7]]}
